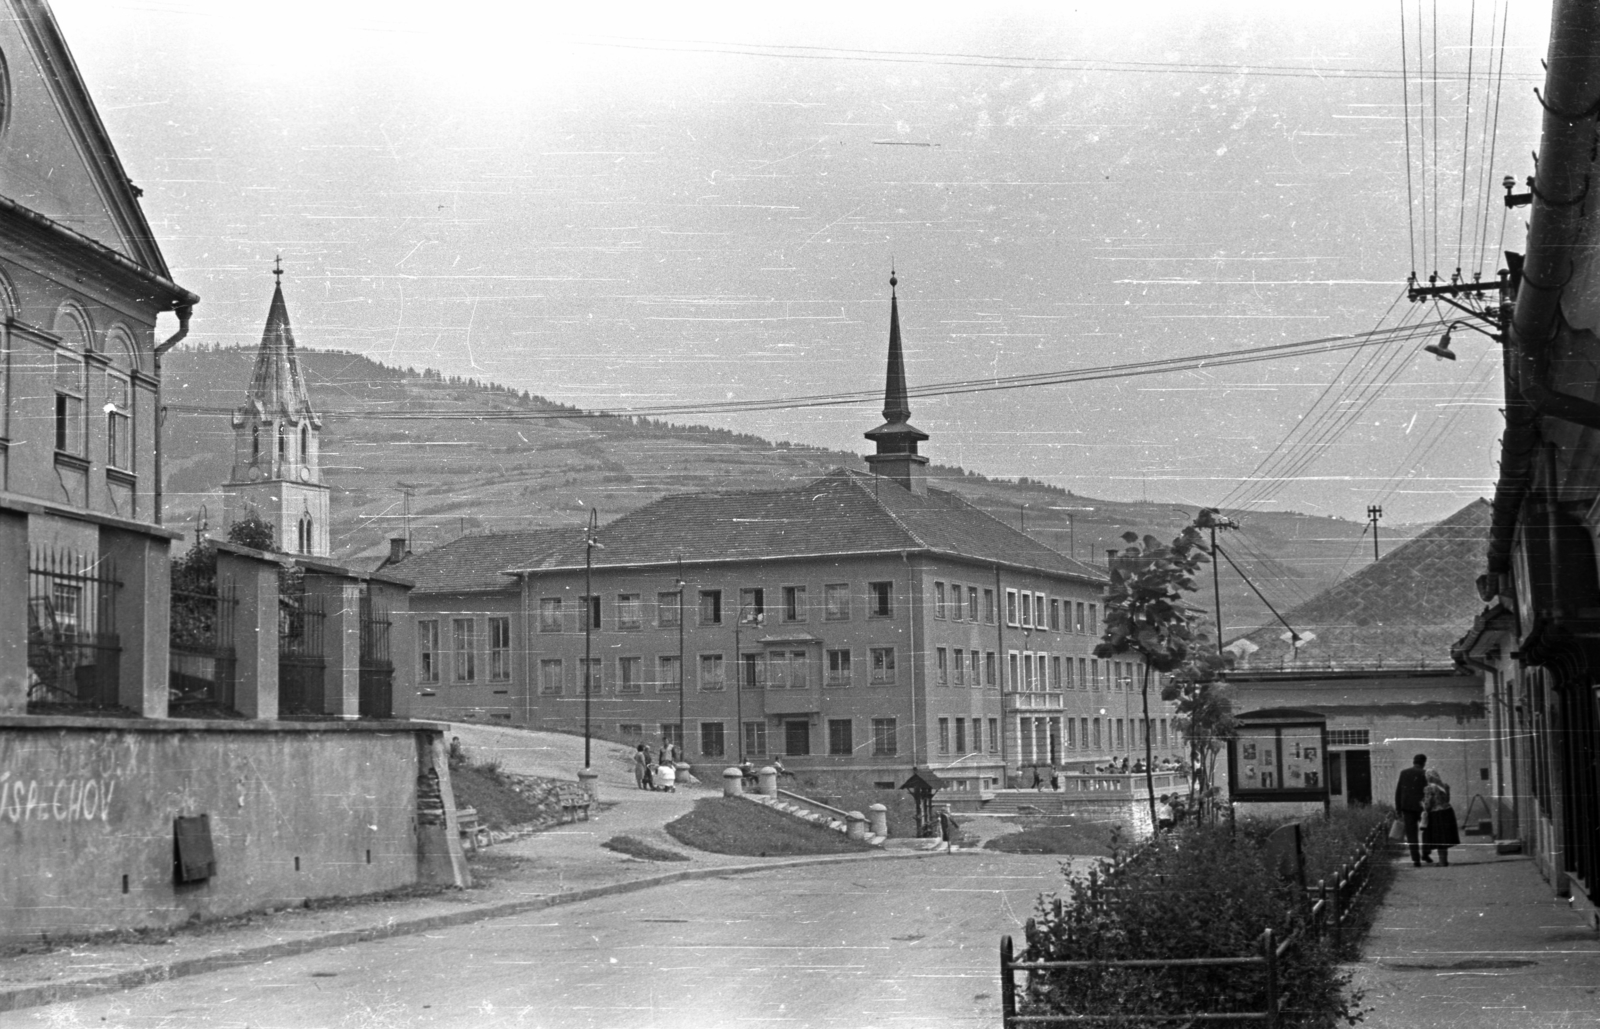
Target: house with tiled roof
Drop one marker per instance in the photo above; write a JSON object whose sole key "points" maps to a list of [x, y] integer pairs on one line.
{"points": [[860, 624], [1372, 654]]}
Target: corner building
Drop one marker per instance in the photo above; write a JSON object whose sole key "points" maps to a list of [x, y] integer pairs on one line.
{"points": [[859, 624]]}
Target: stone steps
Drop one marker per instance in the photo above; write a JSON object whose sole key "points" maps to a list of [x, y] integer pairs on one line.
{"points": [[805, 814]]}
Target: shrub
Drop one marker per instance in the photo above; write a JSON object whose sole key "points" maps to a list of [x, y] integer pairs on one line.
{"points": [[1203, 893]]}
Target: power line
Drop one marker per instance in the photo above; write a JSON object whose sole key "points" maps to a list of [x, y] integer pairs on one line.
{"points": [[1466, 131], [1405, 93]]}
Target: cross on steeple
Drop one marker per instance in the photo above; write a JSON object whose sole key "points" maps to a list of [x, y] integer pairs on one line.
{"points": [[277, 270]]}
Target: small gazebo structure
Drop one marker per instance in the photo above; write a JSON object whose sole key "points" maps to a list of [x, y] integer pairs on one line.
{"points": [[923, 785]]}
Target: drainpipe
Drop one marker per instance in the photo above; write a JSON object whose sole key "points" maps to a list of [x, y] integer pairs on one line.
{"points": [[184, 313]]}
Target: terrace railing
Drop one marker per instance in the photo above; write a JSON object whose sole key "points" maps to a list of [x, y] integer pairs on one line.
{"points": [[73, 648]]}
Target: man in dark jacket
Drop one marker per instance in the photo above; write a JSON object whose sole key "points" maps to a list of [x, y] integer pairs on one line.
{"points": [[1408, 791]]}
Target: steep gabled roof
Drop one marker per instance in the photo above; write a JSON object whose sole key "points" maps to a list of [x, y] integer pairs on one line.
{"points": [[842, 513], [277, 387], [1407, 609], [473, 564]]}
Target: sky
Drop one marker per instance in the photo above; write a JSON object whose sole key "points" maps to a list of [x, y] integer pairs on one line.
{"points": [[622, 206]]}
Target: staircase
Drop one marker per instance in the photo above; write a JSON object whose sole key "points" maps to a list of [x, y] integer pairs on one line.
{"points": [[812, 811]]}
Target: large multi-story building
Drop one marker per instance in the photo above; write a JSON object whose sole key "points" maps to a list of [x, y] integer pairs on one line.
{"points": [[861, 624]]}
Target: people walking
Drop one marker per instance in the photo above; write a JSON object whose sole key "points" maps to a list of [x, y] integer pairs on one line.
{"points": [[1408, 796], [1439, 831], [1038, 780], [947, 829], [639, 760]]}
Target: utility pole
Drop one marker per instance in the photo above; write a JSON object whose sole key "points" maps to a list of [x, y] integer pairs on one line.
{"points": [[1212, 518], [1373, 514]]}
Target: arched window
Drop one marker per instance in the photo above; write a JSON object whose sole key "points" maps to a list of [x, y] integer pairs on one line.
{"points": [[305, 445], [305, 533], [283, 443], [255, 443]]}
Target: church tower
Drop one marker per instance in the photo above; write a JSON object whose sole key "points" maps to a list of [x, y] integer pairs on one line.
{"points": [[276, 464], [897, 458]]}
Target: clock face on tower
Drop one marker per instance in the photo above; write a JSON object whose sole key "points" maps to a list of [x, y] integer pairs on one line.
{"points": [[305, 475], [255, 473]]}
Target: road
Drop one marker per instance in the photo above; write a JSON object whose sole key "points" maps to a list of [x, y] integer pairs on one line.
{"points": [[901, 943]]}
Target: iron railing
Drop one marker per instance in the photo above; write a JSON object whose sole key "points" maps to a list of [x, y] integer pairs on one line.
{"points": [[73, 647], [376, 698], [203, 662], [302, 663]]}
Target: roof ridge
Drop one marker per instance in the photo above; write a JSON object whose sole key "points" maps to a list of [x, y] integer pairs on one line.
{"points": [[854, 478], [1088, 569]]}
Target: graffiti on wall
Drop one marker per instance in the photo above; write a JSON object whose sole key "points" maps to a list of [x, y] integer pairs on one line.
{"points": [[55, 800]]}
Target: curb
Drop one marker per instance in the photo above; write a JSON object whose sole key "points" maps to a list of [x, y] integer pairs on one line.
{"points": [[78, 989]]}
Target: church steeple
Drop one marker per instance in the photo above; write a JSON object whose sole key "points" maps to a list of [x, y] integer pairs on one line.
{"points": [[277, 445], [897, 438]]}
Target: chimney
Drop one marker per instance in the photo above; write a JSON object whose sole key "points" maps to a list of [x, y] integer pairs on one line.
{"points": [[399, 550]]}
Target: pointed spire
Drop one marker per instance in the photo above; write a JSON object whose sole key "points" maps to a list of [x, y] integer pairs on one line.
{"points": [[896, 405], [277, 388]]}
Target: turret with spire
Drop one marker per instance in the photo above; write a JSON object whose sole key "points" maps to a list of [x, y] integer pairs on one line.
{"points": [[277, 447], [896, 439]]}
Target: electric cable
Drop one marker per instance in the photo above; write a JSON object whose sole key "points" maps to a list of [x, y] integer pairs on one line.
{"points": [[1405, 93], [1494, 136], [1466, 132]]}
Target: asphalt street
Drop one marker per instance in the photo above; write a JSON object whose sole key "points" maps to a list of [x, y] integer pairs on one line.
{"points": [[910, 943]]}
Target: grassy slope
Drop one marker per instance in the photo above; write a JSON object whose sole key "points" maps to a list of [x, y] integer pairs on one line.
{"points": [[727, 825], [508, 474]]}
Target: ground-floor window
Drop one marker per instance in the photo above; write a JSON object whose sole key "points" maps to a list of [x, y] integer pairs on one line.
{"points": [[711, 742], [841, 741], [755, 739], [884, 743]]}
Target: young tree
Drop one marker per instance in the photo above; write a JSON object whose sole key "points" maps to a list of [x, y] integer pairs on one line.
{"points": [[1205, 717], [253, 531], [1145, 613]]}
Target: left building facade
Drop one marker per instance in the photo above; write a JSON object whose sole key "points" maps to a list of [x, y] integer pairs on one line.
{"points": [[82, 284]]}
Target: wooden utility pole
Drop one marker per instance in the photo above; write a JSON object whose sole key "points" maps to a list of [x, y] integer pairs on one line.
{"points": [[1373, 514]]}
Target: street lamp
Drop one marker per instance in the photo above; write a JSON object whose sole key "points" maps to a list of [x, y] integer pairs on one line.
{"points": [[757, 619], [589, 544]]}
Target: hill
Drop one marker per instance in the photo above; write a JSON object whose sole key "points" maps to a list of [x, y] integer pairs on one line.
{"points": [[452, 455]]}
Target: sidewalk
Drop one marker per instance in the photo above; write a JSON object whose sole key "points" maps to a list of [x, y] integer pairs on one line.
{"points": [[559, 866], [1482, 944]]}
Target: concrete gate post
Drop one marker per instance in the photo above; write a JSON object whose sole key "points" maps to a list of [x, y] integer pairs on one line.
{"points": [[255, 640], [857, 829], [589, 779], [767, 782], [14, 613], [732, 782], [880, 819]]}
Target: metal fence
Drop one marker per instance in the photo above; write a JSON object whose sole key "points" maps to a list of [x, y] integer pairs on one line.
{"points": [[73, 648], [377, 671], [204, 664], [301, 660]]}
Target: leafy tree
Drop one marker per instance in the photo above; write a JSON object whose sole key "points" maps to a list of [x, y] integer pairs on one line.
{"points": [[253, 531], [1205, 717], [1145, 613]]}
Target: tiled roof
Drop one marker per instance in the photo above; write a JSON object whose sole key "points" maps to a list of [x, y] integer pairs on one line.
{"points": [[1404, 610], [476, 563], [844, 512]]}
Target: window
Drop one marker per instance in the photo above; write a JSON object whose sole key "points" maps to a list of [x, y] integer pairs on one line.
{"points": [[711, 744], [1016, 681], [1083, 731], [882, 659], [989, 669], [1083, 673], [752, 604], [630, 674], [550, 614], [711, 672], [428, 651], [591, 613], [1011, 607], [1097, 734], [880, 599], [1120, 744], [988, 606], [938, 600], [119, 423], [884, 743], [550, 676], [1094, 672], [1349, 737], [752, 671], [628, 611], [959, 660], [838, 668], [755, 739], [1038, 610], [942, 664], [1078, 623], [836, 602], [630, 729], [788, 670], [961, 735], [994, 735], [1055, 673], [710, 607], [957, 606], [1072, 734], [1163, 732], [1055, 615], [499, 649], [841, 737], [669, 609], [307, 532], [1069, 679], [794, 603], [977, 735], [972, 603], [1027, 611], [593, 674], [975, 674], [305, 444], [69, 405], [464, 649], [1094, 629], [669, 674], [944, 735]]}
